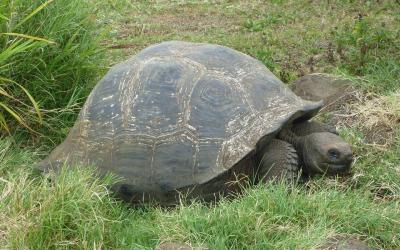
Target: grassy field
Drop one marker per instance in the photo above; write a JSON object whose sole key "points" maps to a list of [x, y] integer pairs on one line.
{"points": [[359, 40]]}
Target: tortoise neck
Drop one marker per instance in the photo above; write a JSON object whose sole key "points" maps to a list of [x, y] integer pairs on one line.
{"points": [[299, 143], [288, 135]]}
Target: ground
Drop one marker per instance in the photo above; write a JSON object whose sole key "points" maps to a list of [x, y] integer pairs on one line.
{"points": [[358, 40]]}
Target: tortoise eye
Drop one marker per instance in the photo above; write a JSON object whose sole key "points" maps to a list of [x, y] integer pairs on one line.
{"points": [[333, 154]]}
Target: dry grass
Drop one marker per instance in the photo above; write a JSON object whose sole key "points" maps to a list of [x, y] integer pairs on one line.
{"points": [[377, 117]]}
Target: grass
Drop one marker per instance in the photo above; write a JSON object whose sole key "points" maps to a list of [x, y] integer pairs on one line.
{"points": [[356, 40], [76, 211], [49, 59], [293, 38]]}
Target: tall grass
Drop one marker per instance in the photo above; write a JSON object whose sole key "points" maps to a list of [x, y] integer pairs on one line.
{"points": [[12, 45], [48, 54]]}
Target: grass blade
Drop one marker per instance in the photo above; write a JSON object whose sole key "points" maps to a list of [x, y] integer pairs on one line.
{"points": [[33, 13], [35, 38], [4, 92], [16, 117], [3, 79], [12, 113], [4, 17], [3, 124], [15, 48], [34, 103]]}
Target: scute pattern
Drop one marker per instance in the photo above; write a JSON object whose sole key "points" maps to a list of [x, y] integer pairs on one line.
{"points": [[136, 153], [179, 114], [217, 103], [157, 109], [178, 154], [221, 59], [206, 159]]}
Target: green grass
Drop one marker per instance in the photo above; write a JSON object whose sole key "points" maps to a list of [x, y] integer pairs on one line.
{"points": [[291, 37], [357, 39], [76, 211], [58, 74]]}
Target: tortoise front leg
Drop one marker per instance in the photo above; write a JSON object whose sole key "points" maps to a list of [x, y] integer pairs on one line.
{"points": [[309, 127], [278, 161]]}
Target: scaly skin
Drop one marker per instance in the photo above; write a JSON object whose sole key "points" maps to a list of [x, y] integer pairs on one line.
{"points": [[310, 146], [309, 127], [279, 161], [320, 150]]}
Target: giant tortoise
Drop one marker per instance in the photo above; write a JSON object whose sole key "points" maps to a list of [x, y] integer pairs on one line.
{"points": [[198, 118]]}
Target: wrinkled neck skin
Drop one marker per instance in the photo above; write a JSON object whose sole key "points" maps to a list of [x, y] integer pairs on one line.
{"points": [[287, 134], [320, 152], [306, 161], [299, 143]]}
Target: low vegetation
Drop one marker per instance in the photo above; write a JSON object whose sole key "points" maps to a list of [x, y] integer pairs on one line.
{"points": [[47, 79], [48, 62]]}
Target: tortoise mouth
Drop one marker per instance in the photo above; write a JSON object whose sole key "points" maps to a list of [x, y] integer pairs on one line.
{"points": [[335, 168]]}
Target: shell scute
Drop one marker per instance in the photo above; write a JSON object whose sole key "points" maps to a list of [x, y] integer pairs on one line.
{"points": [[177, 154], [215, 102]]}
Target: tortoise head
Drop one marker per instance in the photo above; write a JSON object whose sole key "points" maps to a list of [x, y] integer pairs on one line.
{"points": [[325, 152]]}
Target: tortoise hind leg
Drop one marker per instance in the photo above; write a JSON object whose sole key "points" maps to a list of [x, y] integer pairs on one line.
{"points": [[309, 127], [278, 161]]}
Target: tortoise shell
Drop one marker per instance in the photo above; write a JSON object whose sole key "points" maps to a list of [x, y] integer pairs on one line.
{"points": [[179, 114]]}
